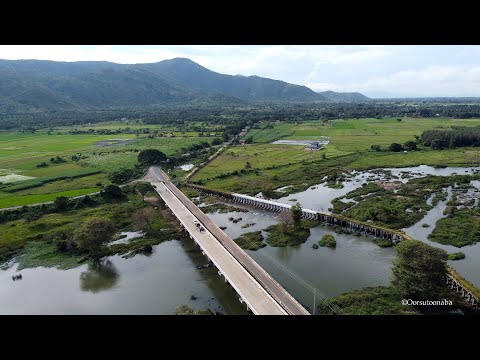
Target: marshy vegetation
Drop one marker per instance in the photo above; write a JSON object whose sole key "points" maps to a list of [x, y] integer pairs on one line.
{"points": [[251, 241], [79, 234], [328, 241]]}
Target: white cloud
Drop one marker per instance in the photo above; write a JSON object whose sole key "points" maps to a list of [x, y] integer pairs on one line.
{"points": [[429, 81]]}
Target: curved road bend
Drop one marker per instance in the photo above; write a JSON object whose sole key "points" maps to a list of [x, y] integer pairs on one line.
{"points": [[291, 306]]}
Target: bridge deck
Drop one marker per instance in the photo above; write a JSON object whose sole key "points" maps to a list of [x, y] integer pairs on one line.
{"points": [[253, 294], [261, 292]]}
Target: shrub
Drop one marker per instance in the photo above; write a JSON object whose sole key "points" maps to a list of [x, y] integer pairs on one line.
{"points": [[456, 256], [328, 241]]}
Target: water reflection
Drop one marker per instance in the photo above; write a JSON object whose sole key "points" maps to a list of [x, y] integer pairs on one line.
{"points": [[100, 275], [286, 253]]}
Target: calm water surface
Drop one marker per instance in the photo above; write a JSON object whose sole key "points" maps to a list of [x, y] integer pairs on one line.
{"points": [[154, 284], [157, 284]]}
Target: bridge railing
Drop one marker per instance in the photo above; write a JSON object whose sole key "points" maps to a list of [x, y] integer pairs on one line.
{"points": [[371, 229]]}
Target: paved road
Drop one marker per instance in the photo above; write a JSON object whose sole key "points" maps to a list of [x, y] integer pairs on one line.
{"points": [[273, 288], [246, 286]]}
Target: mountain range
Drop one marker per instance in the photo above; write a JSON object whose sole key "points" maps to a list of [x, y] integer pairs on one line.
{"points": [[38, 85]]}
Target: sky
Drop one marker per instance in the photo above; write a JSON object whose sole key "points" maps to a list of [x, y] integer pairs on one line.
{"points": [[374, 70]]}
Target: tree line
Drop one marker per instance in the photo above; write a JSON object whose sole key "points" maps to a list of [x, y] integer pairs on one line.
{"points": [[457, 136], [224, 114]]}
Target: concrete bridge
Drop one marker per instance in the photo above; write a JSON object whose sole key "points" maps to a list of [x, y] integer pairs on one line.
{"points": [[453, 281], [331, 219], [466, 294], [255, 287]]}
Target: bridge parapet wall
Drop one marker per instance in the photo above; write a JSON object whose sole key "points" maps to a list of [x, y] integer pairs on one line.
{"points": [[330, 219], [394, 237]]}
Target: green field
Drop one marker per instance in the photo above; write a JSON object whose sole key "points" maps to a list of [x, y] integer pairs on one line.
{"points": [[349, 148], [269, 135], [112, 158], [357, 134], [262, 157], [21, 153], [360, 134]]}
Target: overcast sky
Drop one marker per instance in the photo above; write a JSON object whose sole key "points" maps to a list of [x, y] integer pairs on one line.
{"points": [[374, 70]]}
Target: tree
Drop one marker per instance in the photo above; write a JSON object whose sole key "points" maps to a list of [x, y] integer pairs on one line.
{"points": [[87, 201], [32, 215], [248, 165], [419, 271], [395, 147], [398, 119], [121, 176], [112, 192], [150, 157], [93, 234], [143, 188], [296, 211], [410, 145], [268, 192], [324, 156], [144, 219], [61, 203], [286, 219], [217, 141], [376, 148], [438, 144]]}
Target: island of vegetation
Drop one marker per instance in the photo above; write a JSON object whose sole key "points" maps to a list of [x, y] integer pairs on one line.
{"points": [[456, 256], [291, 230], [251, 240], [328, 241]]}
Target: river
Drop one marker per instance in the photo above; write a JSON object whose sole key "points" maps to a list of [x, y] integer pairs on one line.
{"points": [[154, 284], [319, 197], [158, 283]]}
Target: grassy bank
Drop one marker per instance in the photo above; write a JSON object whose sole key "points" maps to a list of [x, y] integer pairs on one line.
{"points": [[35, 239], [381, 300]]}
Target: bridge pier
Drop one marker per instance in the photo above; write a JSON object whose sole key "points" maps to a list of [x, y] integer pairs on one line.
{"points": [[224, 277], [464, 292], [243, 302]]}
